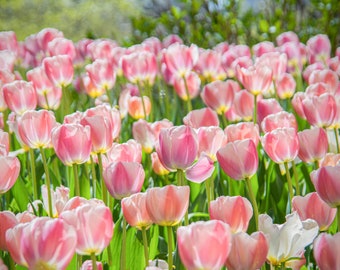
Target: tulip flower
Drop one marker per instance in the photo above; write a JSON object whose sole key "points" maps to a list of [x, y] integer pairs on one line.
{"points": [[61, 46], [326, 250], [281, 119], [285, 86], [319, 48], [211, 241], [157, 165], [235, 211], [101, 74], [287, 241], [2, 265], [59, 69], [8, 221], [243, 105], [313, 207], [9, 172], [210, 140], [130, 151], [205, 117], [262, 47], [209, 66], [87, 265], [143, 133], [248, 252], [139, 107]]}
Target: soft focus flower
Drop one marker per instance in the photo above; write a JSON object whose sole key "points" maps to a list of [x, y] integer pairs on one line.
{"points": [[87, 265], [204, 117], [326, 250], [59, 69], [281, 119], [8, 220], [9, 172], [243, 130]]}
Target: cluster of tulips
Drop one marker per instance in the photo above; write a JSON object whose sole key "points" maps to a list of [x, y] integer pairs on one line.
{"points": [[162, 155]]}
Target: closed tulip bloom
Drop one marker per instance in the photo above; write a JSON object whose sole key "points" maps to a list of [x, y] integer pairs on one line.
{"points": [[41, 82], [135, 212], [9, 172], [326, 250], [210, 140], [61, 46], [178, 147], [143, 133], [209, 65], [262, 47], [248, 252], [297, 104], [219, 95], [204, 117], [285, 37], [204, 245], [327, 185], [101, 74], [8, 220], [239, 159], [236, 211], [94, 227], [87, 265], [135, 107], [313, 144], [4, 140], [130, 151], [35, 128], [13, 238], [281, 145], [167, 205], [266, 107], [44, 243], [188, 89], [288, 240], [330, 159], [20, 96], [124, 178], [281, 119], [313, 207], [59, 69], [72, 143], [319, 48], [243, 105], [327, 77], [157, 165], [243, 130], [285, 86]]}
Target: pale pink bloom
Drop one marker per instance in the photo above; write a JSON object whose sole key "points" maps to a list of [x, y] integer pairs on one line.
{"points": [[243, 130], [140, 67], [222, 47], [334, 64], [317, 89], [297, 104], [94, 227], [123, 178], [128, 91], [157, 264], [236, 211], [7, 60], [285, 37], [87, 265], [8, 41], [73, 118], [287, 241], [266, 107], [72, 143], [313, 207], [61, 46], [242, 62], [310, 68], [143, 133], [171, 39], [35, 128], [101, 74], [210, 140], [116, 59], [167, 205], [281, 145], [102, 49], [318, 48], [4, 140], [20, 96], [157, 165], [9, 172], [204, 117], [192, 83], [296, 56], [59, 198], [243, 105], [82, 53], [330, 159], [327, 185], [248, 252], [8, 220], [276, 61], [326, 250], [313, 144], [157, 126], [13, 127], [135, 212], [201, 170], [219, 95], [211, 241], [136, 109], [239, 159], [281, 119], [44, 242], [59, 69], [327, 76], [152, 44], [285, 86], [46, 35], [263, 47], [209, 66]]}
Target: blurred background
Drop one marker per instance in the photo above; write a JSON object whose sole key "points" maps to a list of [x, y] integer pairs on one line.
{"points": [[203, 22]]}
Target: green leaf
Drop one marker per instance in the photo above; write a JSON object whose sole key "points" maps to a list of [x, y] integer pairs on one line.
{"points": [[20, 194], [264, 26]]}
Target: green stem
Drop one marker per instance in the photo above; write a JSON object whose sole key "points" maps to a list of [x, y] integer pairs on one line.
{"points": [[289, 182], [316, 164], [253, 202], [140, 88], [76, 179], [180, 178], [146, 246], [223, 120], [94, 178], [11, 263], [207, 190], [338, 217], [296, 178], [170, 236], [79, 261], [48, 182], [337, 139], [189, 105], [94, 261], [255, 110], [104, 189], [46, 100], [123, 251], [33, 174]]}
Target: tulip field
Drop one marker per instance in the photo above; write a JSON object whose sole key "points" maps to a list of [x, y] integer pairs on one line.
{"points": [[165, 155]]}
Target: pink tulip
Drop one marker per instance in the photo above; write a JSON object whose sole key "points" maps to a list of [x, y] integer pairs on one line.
{"points": [[276, 61], [20, 96], [136, 109], [239, 159], [330, 159], [326, 249], [4, 141], [310, 69], [59, 69], [288, 36], [43, 242], [124, 178], [143, 133], [101, 49], [9, 172], [130, 151], [211, 241], [101, 74], [285, 86], [317, 89], [204, 117], [61, 46], [263, 47], [135, 212], [8, 221], [297, 104], [235, 211], [171, 39], [59, 199], [281, 145], [87, 265], [326, 183], [266, 107], [167, 205], [210, 140], [152, 44], [319, 48], [157, 165], [178, 147], [313, 144], [93, 224], [35, 128], [46, 35], [243, 105], [313, 207], [188, 89], [296, 56], [219, 95], [243, 130], [72, 143], [8, 41], [248, 252], [281, 119], [41, 82], [326, 76], [209, 66]]}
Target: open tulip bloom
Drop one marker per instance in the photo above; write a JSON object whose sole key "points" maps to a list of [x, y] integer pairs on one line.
{"points": [[166, 155]]}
